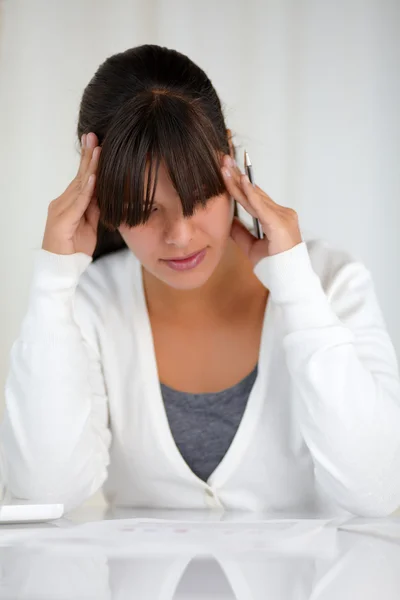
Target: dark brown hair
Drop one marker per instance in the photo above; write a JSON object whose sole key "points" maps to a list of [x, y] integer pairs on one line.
{"points": [[148, 104]]}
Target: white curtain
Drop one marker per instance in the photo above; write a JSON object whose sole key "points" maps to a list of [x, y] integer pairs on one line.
{"points": [[310, 89]]}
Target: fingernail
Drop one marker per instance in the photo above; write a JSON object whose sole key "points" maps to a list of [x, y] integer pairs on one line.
{"points": [[231, 162], [226, 172], [87, 140], [247, 180]]}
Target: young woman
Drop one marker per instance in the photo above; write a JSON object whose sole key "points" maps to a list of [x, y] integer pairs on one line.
{"points": [[173, 357]]}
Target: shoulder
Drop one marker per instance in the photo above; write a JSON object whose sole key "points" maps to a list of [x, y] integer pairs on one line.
{"points": [[105, 283], [106, 273]]}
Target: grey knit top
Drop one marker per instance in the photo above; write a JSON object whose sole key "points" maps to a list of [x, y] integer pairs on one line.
{"points": [[204, 425]]}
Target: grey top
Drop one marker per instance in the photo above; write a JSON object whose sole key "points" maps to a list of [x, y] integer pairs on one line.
{"points": [[204, 425]]}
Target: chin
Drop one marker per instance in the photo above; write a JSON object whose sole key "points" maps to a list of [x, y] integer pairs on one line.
{"points": [[186, 280]]}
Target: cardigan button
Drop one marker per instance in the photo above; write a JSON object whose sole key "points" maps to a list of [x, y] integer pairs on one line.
{"points": [[211, 499]]}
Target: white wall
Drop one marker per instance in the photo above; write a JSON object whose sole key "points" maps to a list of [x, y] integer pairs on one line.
{"points": [[310, 88]]}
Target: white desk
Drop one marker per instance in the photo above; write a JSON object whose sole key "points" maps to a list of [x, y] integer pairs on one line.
{"points": [[357, 566]]}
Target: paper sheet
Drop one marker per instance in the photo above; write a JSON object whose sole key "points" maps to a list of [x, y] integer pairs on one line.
{"points": [[388, 528], [157, 536]]}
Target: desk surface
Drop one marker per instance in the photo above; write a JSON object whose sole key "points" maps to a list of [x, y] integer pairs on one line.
{"points": [[197, 555]]}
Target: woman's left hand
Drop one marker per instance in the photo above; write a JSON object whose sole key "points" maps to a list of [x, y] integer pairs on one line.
{"points": [[279, 223]]}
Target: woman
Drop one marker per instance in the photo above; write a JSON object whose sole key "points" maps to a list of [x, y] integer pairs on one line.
{"points": [[257, 375]]}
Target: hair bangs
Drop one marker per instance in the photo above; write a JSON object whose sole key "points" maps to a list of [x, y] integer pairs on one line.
{"points": [[157, 127]]}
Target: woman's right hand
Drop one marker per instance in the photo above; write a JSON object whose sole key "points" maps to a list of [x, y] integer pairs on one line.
{"points": [[73, 217]]}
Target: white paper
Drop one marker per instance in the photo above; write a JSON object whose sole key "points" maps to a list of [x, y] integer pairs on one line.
{"points": [[157, 536], [388, 528]]}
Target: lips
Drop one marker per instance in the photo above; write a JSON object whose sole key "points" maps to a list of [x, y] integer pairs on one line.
{"points": [[187, 264], [184, 257]]}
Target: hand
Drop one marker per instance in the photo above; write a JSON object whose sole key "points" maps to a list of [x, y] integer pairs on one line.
{"points": [[280, 224], [72, 218]]}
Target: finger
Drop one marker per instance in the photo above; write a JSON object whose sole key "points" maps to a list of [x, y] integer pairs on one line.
{"points": [[79, 206], [83, 156], [235, 173], [87, 151], [238, 178], [233, 167], [92, 165], [92, 168], [236, 190], [266, 197], [257, 202], [265, 209], [78, 183]]}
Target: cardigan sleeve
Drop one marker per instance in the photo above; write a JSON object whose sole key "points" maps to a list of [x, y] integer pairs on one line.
{"points": [[344, 368], [54, 434]]}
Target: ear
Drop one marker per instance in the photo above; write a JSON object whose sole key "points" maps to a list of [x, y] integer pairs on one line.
{"points": [[231, 149]]}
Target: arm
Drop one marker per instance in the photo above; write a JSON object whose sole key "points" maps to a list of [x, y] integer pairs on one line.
{"points": [[54, 432], [344, 367]]}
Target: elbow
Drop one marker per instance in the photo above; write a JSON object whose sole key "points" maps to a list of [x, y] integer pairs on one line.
{"points": [[376, 506], [53, 475], [62, 487], [376, 491], [382, 501], [365, 495]]}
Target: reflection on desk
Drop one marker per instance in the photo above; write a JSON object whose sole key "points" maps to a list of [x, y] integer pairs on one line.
{"points": [[362, 567]]}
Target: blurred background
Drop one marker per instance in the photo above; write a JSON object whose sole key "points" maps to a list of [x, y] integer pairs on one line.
{"points": [[310, 88]]}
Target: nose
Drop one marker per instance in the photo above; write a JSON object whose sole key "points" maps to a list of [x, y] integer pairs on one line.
{"points": [[179, 232]]}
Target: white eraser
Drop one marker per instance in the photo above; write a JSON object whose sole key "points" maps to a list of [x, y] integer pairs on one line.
{"points": [[23, 513]]}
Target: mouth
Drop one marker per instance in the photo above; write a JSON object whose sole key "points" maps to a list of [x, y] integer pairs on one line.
{"points": [[177, 258], [190, 261]]}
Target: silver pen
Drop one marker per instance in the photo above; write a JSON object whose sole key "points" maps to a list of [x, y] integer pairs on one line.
{"points": [[248, 169]]}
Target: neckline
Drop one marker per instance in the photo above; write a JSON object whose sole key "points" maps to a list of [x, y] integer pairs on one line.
{"points": [[153, 393], [231, 388]]}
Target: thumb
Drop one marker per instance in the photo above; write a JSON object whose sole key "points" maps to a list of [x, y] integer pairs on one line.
{"points": [[242, 236]]}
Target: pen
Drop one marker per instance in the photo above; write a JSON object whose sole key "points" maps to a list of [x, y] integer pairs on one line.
{"points": [[248, 169]]}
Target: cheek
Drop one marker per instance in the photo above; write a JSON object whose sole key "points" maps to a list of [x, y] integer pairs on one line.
{"points": [[218, 220], [215, 222], [138, 240]]}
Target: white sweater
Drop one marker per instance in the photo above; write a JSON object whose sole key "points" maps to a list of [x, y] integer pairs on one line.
{"points": [[320, 433]]}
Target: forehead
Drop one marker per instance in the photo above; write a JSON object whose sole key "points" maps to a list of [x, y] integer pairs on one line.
{"points": [[164, 181], [164, 184]]}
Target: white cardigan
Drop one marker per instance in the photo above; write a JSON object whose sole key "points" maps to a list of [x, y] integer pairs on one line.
{"points": [[320, 433]]}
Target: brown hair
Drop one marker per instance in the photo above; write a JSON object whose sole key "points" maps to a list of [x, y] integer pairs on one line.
{"points": [[148, 104]]}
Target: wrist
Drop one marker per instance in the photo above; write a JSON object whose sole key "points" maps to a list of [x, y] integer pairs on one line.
{"points": [[57, 247]]}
